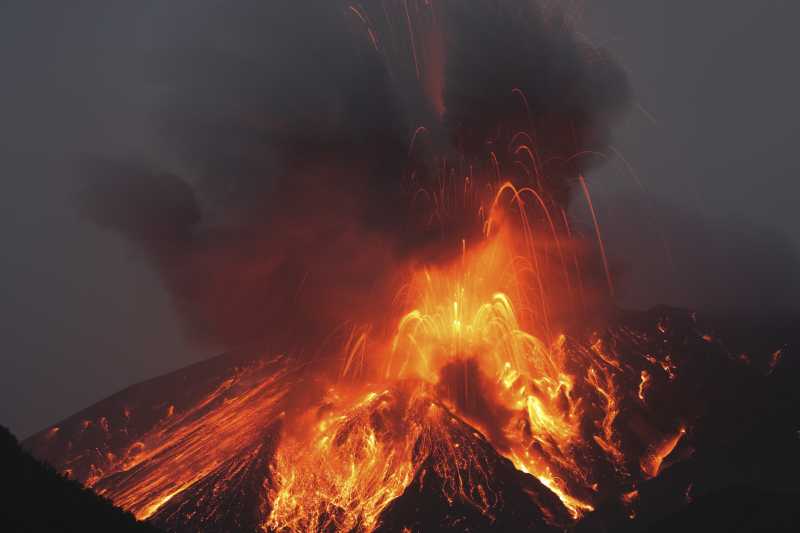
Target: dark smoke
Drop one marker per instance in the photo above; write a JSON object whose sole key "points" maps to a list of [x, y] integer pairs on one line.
{"points": [[475, 395], [284, 208], [572, 89]]}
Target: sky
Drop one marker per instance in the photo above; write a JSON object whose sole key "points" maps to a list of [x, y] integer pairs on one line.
{"points": [[83, 313]]}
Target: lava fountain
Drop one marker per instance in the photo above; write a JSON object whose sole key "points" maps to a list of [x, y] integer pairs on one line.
{"points": [[461, 349]]}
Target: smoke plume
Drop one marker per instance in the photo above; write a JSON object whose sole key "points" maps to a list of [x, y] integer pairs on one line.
{"points": [[283, 205]]}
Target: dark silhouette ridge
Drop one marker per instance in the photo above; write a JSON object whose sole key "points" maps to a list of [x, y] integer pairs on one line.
{"points": [[38, 499]]}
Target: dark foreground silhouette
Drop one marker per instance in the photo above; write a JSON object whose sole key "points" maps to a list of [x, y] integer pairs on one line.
{"points": [[37, 499]]}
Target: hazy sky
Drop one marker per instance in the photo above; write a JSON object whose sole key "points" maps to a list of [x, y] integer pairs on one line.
{"points": [[82, 314]]}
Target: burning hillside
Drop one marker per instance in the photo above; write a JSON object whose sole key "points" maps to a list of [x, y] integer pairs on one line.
{"points": [[250, 442]]}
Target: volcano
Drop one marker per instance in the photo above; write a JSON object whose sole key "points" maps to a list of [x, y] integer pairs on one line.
{"points": [[419, 273], [225, 444]]}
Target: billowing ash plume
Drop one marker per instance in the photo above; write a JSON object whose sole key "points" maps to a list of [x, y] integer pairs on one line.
{"points": [[286, 206]]}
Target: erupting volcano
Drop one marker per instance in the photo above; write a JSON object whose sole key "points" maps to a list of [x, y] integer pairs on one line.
{"points": [[430, 338]]}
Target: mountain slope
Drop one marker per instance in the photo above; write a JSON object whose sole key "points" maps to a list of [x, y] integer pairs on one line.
{"points": [[223, 446]]}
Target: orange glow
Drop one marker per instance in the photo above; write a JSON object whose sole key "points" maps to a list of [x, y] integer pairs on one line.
{"points": [[347, 462], [630, 497], [176, 453], [774, 359], [651, 462], [644, 380]]}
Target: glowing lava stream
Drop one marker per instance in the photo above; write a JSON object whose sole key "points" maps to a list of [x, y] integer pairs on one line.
{"points": [[186, 446]]}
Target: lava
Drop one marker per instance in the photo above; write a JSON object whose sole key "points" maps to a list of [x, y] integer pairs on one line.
{"points": [[184, 447], [651, 462]]}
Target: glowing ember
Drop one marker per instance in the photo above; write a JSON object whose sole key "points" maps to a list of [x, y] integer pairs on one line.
{"points": [[651, 462], [645, 379]]}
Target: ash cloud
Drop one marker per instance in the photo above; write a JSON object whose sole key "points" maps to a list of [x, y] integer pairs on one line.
{"points": [[280, 206], [569, 92]]}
